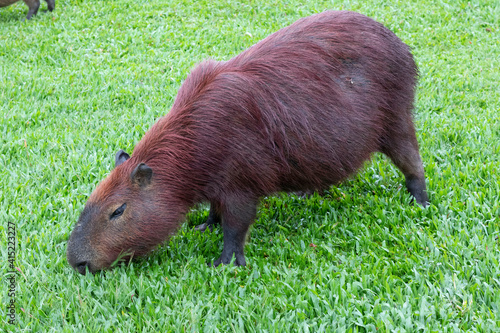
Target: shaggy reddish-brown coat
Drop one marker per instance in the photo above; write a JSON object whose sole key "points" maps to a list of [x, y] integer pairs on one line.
{"points": [[299, 111]]}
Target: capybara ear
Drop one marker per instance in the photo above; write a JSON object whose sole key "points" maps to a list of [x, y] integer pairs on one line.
{"points": [[120, 157], [142, 175]]}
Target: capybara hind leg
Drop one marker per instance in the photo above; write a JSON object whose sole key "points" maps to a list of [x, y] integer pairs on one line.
{"points": [[51, 4], [403, 151], [237, 216], [212, 221], [33, 6], [416, 186]]}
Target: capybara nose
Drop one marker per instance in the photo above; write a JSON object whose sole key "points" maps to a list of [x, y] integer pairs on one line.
{"points": [[81, 267]]}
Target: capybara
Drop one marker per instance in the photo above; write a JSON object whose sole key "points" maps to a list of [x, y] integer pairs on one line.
{"points": [[299, 111], [33, 5]]}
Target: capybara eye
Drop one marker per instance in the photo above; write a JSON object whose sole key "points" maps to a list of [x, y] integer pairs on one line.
{"points": [[118, 212]]}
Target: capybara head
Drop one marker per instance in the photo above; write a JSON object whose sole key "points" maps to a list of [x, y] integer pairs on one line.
{"points": [[119, 219]]}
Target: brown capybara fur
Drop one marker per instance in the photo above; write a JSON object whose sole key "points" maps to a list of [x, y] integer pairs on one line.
{"points": [[299, 111], [33, 5]]}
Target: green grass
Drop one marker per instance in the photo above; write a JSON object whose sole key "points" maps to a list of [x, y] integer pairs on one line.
{"points": [[91, 77]]}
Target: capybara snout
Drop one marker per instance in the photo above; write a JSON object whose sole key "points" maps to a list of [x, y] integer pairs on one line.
{"points": [[299, 111], [33, 6]]}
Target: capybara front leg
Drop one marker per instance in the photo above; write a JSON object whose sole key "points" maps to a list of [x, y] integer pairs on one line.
{"points": [[237, 216], [51, 4], [33, 6], [212, 220]]}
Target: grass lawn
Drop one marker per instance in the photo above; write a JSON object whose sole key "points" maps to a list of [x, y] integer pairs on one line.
{"points": [[90, 78]]}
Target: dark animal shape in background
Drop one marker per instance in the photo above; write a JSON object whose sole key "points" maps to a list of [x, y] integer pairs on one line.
{"points": [[299, 111], [33, 5]]}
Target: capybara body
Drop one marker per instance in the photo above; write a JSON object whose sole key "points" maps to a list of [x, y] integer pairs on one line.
{"points": [[299, 111], [33, 5]]}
